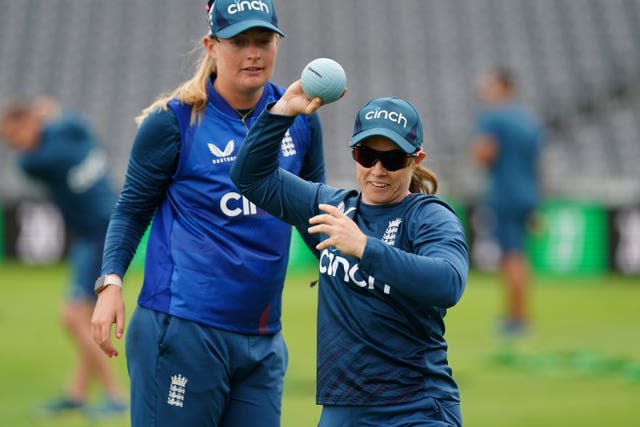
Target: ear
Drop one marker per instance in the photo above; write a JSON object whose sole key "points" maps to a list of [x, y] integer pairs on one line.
{"points": [[210, 44], [419, 157]]}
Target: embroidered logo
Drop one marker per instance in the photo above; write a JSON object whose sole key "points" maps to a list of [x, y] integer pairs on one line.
{"points": [[223, 156], [287, 146], [241, 6], [176, 390], [389, 236], [341, 207], [387, 115]]}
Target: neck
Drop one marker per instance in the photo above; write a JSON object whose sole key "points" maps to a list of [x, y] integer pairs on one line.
{"points": [[239, 100], [503, 99]]}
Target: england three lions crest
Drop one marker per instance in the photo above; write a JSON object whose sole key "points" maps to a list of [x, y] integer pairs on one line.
{"points": [[287, 146], [177, 390], [390, 234]]}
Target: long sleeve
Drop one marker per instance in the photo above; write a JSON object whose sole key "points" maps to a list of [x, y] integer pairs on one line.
{"points": [[313, 168], [152, 162], [435, 273], [256, 173]]}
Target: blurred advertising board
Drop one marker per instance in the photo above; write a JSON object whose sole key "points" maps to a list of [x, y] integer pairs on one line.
{"points": [[566, 237], [570, 237], [624, 239], [34, 232]]}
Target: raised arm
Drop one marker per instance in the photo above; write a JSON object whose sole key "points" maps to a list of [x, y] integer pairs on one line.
{"points": [[256, 170]]}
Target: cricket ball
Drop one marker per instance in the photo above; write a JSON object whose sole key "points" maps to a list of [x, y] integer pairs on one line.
{"points": [[324, 78]]}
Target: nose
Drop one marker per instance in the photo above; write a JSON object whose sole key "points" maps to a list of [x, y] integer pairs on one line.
{"points": [[254, 50], [377, 168]]}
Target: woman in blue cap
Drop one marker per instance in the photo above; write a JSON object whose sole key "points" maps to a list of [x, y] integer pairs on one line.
{"points": [[393, 259], [204, 346]]}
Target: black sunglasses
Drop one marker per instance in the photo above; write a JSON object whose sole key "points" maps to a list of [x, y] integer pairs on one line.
{"points": [[391, 160]]}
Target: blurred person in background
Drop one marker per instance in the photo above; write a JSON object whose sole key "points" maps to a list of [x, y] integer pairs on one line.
{"points": [[59, 150], [204, 344], [507, 140], [393, 259]]}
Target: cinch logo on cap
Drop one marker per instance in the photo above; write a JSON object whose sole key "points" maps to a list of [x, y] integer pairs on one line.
{"points": [[241, 6], [387, 115], [228, 18], [392, 118]]}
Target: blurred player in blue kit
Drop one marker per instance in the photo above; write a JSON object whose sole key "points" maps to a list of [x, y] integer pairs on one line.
{"points": [[507, 141], [393, 259], [59, 150], [204, 345]]}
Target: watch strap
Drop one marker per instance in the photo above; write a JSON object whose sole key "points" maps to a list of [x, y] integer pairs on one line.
{"points": [[107, 280]]}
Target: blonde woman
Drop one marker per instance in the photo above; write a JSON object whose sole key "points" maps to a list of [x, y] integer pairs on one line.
{"points": [[204, 346]]}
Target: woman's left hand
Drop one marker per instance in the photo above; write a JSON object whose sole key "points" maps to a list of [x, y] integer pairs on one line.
{"points": [[344, 234]]}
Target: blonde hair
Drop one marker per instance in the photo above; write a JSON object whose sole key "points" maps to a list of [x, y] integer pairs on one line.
{"points": [[192, 91], [424, 180]]}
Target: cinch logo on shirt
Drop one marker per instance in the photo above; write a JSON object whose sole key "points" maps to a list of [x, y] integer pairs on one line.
{"points": [[235, 204], [241, 6], [387, 115], [223, 156], [335, 265]]}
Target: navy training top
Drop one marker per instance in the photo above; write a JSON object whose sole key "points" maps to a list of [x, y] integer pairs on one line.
{"points": [[380, 318], [513, 175], [72, 165]]}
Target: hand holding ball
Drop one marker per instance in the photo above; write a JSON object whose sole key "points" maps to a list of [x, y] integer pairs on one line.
{"points": [[324, 78]]}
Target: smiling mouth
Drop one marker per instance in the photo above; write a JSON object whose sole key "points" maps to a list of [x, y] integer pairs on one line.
{"points": [[378, 185]]}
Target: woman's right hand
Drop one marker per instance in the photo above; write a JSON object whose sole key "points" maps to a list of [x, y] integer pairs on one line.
{"points": [[109, 309], [295, 101]]}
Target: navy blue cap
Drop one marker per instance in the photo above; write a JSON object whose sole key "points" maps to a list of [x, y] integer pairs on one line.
{"points": [[228, 18], [392, 118]]}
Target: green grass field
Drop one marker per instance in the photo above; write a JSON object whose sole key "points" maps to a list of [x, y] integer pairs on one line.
{"points": [[580, 367]]}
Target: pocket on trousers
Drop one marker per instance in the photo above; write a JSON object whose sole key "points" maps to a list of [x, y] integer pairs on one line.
{"points": [[164, 327], [448, 412]]}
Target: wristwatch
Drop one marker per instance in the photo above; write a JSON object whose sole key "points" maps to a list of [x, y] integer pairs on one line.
{"points": [[107, 280]]}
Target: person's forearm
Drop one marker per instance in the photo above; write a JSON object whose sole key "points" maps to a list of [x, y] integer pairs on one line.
{"points": [[123, 237], [258, 157], [257, 174], [131, 216], [428, 280], [154, 155]]}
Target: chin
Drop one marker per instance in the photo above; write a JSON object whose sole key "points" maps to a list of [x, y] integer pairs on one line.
{"points": [[376, 199], [256, 81]]}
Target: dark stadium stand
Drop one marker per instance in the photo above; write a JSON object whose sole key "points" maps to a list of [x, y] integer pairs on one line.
{"points": [[578, 64]]}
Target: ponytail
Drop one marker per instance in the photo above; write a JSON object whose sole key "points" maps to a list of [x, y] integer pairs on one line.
{"points": [[423, 180], [192, 91]]}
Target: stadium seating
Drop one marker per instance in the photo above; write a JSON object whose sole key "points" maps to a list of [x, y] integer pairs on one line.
{"points": [[578, 66]]}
